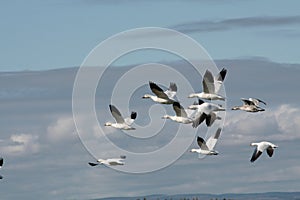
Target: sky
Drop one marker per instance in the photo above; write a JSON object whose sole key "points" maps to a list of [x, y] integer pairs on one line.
{"points": [[46, 155], [48, 34]]}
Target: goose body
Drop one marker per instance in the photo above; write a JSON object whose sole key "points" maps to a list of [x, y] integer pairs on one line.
{"points": [[163, 97], [207, 148], [211, 86], [121, 123], [205, 111], [181, 114], [109, 162], [261, 147]]}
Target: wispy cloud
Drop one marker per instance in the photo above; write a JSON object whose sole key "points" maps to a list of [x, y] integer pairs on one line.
{"points": [[228, 24]]}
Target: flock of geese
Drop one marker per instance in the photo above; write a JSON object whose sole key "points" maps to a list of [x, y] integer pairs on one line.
{"points": [[195, 114]]}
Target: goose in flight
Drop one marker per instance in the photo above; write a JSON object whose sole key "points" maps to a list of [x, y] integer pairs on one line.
{"points": [[181, 116], [121, 123], [1, 164], [250, 105], [260, 147], [205, 111], [207, 148], [211, 86], [163, 97], [109, 162]]}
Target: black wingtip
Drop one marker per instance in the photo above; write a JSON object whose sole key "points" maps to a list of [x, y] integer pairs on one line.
{"points": [[93, 164], [222, 74], [200, 101], [133, 115]]}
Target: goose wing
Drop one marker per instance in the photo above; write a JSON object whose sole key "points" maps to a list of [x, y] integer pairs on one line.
{"points": [[1, 162], [211, 118], [212, 141], [219, 79], [179, 110], [270, 151], [158, 91], [116, 114], [202, 143], [130, 120], [247, 102], [208, 83], [255, 154], [171, 92], [199, 118], [257, 101]]}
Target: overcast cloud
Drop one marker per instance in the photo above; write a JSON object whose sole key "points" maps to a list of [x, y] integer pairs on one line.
{"points": [[45, 159]]}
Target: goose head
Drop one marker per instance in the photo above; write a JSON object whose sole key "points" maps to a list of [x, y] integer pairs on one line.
{"points": [[146, 96], [108, 124]]}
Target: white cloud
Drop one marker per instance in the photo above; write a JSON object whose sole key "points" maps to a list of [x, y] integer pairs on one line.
{"points": [[21, 144], [63, 129], [280, 123]]}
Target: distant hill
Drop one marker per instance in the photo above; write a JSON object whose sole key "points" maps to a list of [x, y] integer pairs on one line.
{"points": [[250, 196]]}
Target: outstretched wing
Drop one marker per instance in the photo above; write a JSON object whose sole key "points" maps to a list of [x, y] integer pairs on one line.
{"points": [[270, 151], [130, 120], [199, 118], [255, 154], [202, 143], [208, 83], [1, 162], [212, 141], [116, 114], [179, 110], [171, 92], [247, 102], [157, 90], [211, 118], [257, 101], [219, 79]]}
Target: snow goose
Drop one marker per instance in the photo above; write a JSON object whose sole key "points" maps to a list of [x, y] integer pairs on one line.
{"points": [[207, 148], [109, 162], [121, 123], [181, 114], [205, 111], [260, 147], [1, 164], [250, 105], [163, 97], [211, 86]]}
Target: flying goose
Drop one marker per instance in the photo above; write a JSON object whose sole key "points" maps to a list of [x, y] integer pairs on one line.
{"points": [[181, 114], [163, 97], [207, 148], [250, 105], [205, 111], [109, 162], [121, 123], [260, 147], [211, 86]]}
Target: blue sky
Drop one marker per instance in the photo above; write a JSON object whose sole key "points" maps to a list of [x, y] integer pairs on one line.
{"points": [[39, 35]]}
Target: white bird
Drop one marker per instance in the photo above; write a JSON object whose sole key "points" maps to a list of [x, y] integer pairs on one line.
{"points": [[163, 97], [109, 162], [211, 86], [121, 123], [250, 105], [205, 111], [260, 147], [181, 116], [1, 164], [207, 148]]}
